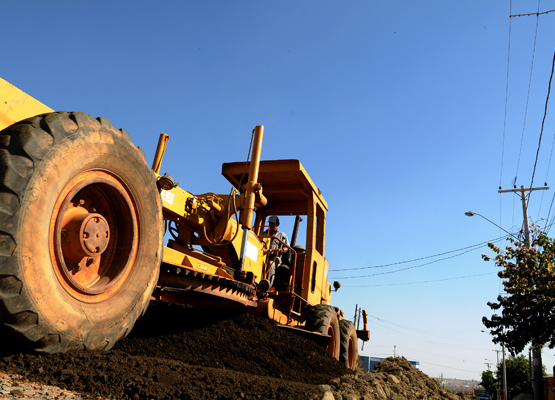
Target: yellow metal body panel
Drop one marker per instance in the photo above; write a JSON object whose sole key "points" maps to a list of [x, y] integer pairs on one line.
{"points": [[173, 256], [286, 184], [174, 200], [177, 206], [16, 105], [254, 261], [196, 261]]}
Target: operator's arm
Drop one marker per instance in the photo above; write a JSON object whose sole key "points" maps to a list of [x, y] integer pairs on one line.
{"points": [[282, 236]]}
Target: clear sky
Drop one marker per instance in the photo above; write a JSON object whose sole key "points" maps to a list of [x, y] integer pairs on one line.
{"points": [[402, 112]]}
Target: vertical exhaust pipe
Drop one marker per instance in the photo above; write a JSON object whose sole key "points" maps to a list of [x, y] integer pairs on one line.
{"points": [[160, 150]]}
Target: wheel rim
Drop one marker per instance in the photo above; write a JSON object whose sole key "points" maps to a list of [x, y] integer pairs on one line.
{"points": [[331, 345], [94, 235]]}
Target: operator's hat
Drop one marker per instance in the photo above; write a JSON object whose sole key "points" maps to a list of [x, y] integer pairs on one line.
{"points": [[274, 219]]}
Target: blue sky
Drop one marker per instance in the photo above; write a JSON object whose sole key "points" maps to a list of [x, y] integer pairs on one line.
{"points": [[395, 108]]}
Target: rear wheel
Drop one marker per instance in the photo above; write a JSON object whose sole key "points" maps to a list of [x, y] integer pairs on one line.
{"points": [[348, 354], [322, 318], [80, 232]]}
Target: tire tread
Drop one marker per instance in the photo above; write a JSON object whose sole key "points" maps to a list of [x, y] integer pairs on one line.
{"points": [[22, 147], [346, 329]]}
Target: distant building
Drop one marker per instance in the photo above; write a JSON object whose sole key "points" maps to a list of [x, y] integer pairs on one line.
{"points": [[368, 363], [548, 387]]}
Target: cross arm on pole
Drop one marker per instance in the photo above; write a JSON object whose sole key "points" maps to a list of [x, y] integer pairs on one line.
{"points": [[523, 189]]}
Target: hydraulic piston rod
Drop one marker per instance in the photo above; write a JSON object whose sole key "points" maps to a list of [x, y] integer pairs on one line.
{"points": [[251, 188]]}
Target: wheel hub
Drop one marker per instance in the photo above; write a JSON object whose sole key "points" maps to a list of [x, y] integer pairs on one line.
{"points": [[94, 235], [85, 235]]}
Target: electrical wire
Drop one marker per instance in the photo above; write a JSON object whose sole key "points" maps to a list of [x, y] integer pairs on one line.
{"points": [[437, 355], [506, 96], [527, 15], [473, 247], [403, 269], [420, 331], [548, 226], [528, 95], [546, 175], [543, 121], [445, 366], [414, 283]]}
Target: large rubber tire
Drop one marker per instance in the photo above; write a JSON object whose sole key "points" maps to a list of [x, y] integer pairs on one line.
{"points": [[81, 232], [322, 318], [348, 354]]}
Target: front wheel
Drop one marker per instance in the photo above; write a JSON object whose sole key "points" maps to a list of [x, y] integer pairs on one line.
{"points": [[323, 319], [348, 354], [80, 232]]}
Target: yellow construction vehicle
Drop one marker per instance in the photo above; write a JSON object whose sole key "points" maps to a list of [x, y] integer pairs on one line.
{"points": [[83, 219]]}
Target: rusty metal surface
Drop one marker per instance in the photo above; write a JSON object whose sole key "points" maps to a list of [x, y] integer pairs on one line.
{"points": [[94, 235]]}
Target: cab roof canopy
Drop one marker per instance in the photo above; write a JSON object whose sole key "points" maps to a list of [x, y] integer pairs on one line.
{"points": [[285, 183]]}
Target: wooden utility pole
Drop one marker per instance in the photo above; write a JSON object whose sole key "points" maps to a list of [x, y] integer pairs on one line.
{"points": [[537, 381]]}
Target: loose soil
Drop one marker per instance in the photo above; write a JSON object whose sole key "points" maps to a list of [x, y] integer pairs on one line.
{"points": [[177, 352]]}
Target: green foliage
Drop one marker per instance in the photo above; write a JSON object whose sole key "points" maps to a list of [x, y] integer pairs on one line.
{"points": [[527, 313], [488, 381], [518, 373]]}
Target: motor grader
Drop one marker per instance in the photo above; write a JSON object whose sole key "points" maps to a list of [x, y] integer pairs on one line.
{"points": [[83, 219]]}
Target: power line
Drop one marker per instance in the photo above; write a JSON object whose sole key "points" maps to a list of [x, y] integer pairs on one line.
{"points": [[543, 120], [528, 95], [506, 98], [444, 366], [474, 246], [436, 280], [527, 15], [470, 346], [546, 175], [438, 355], [420, 331], [404, 269], [548, 225]]}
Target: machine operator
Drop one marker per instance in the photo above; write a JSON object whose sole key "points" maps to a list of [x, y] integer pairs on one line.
{"points": [[276, 260]]}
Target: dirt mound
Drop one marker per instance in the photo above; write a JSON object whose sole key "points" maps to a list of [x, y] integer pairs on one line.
{"points": [[177, 352], [394, 378], [237, 341]]}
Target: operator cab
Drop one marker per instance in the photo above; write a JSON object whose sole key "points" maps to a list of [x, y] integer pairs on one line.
{"points": [[293, 197]]}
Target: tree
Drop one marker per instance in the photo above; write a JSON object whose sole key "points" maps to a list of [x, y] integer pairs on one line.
{"points": [[528, 308], [518, 373], [488, 381]]}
